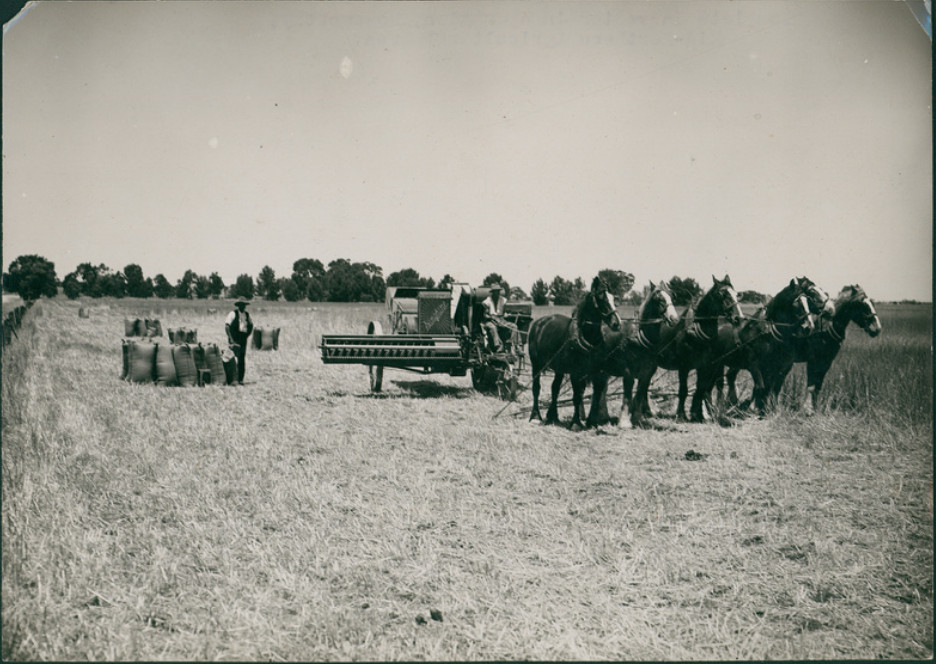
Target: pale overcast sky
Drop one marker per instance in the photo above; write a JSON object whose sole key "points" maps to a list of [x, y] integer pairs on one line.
{"points": [[763, 139]]}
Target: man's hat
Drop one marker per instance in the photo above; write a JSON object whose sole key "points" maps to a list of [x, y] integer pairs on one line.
{"points": [[495, 286], [241, 300]]}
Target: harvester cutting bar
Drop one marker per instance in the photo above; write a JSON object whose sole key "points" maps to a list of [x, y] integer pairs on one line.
{"points": [[403, 350]]}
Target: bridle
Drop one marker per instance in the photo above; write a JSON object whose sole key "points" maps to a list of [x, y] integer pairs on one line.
{"points": [[608, 312], [802, 319]]}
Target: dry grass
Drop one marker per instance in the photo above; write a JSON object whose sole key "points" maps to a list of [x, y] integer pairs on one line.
{"points": [[302, 518]]}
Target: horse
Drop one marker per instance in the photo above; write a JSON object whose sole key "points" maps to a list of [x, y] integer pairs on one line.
{"points": [[694, 341], [819, 349], [765, 343], [570, 346], [632, 354]]}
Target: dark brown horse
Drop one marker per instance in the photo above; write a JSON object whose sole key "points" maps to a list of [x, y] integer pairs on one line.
{"points": [[694, 341], [766, 343], [632, 354], [571, 346], [819, 349]]}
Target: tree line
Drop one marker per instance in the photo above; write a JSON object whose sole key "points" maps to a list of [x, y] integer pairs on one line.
{"points": [[342, 280]]}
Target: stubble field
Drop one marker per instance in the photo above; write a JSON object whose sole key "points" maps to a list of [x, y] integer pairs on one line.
{"points": [[301, 517]]}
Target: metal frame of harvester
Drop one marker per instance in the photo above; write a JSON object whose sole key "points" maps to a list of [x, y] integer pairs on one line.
{"points": [[438, 331]]}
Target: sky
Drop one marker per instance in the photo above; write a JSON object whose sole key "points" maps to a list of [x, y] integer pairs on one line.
{"points": [[763, 139]]}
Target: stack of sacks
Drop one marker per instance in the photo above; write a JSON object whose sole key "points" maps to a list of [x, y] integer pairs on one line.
{"points": [[184, 365], [142, 328], [183, 336]]}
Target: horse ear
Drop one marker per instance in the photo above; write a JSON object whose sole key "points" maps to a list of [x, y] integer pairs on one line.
{"points": [[727, 280], [714, 280], [794, 282], [652, 287]]}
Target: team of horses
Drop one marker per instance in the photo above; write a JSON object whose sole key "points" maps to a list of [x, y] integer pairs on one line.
{"points": [[712, 336]]}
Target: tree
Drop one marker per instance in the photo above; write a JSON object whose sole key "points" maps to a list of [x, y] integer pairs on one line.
{"points": [[495, 278], [243, 287], [618, 282], [71, 286], [354, 282], [203, 288], [378, 287], [216, 285], [137, 285], [684, 290], [31, 276], [290, 290], [162, 288], [86, 277], [185, 288], [539, 292], [406, 277], [635, 298], [562, 291], [111, 284], [95, 281], [267, 284], [517, 293], [447, 281], [751, 297], [309, 277]]}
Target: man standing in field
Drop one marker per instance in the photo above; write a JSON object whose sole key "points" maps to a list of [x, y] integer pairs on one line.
{"points": [[238, 327]]}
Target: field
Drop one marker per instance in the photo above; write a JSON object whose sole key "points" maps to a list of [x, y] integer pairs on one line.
{"points": [[301, 517]]}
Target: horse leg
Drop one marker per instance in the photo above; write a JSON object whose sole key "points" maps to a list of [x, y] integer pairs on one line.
{"points": [[598, 412], [815, 375], [705, 379], [683, 394], [775, 384], [719, 388], [578, 398], [535, 413], [731, 377], [599, 408], [638, 409], [759, 393], [627, 386], [552, 414], [705, 382]]}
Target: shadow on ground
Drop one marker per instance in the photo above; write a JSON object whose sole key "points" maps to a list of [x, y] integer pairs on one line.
{"points": [[421, 389]]}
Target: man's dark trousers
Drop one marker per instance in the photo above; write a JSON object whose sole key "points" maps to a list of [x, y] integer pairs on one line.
{"points": [[240, 352]]}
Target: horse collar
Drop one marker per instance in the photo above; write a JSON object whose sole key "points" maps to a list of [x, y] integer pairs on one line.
{"points": [[642, 340], [774, 331], [835, 334], [695, 330]]}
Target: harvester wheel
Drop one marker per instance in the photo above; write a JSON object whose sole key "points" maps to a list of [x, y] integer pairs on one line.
{"points": [[484, 379], [376, 372]]}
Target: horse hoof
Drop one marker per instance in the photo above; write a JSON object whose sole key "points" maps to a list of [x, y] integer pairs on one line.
{"points": [[576, 427]]}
